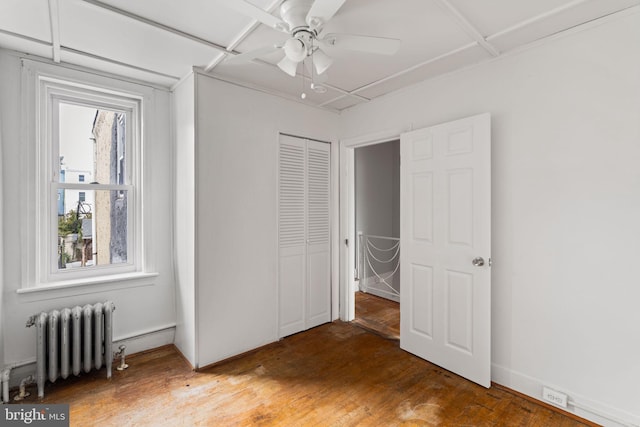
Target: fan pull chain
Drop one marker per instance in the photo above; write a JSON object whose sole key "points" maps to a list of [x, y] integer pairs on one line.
{"points": [[312, 69], [302, 95]]}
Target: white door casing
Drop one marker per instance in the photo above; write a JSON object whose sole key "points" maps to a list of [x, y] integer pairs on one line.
{"points": [[304, 266], [445, 209]]}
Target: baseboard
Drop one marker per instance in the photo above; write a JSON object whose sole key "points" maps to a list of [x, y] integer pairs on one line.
{"points": [[135, 343], [579, 406], [21, 371], [369, 285], [235, 357], [146, 340], [183, 357], [374, 291]]}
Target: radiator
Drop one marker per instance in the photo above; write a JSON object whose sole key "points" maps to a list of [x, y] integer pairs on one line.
{"points": [[73, 340]]}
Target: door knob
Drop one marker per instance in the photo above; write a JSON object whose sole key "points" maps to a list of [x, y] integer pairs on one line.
{"points": [[478, 262]]}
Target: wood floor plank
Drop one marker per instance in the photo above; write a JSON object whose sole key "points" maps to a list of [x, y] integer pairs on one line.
{"points": [[334, 375], [378, 315]]}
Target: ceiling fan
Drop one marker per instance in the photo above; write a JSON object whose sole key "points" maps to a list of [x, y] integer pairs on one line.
{"points": [[304, 21]]}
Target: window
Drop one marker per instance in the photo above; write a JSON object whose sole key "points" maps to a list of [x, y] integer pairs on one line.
{"points": [[92, 137], [88, 195]]}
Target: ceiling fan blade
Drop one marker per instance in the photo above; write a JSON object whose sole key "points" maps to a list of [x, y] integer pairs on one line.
{"points": [[251, 11], [370, 44], [322, 11], [243, 58], [314, 75], [288, 66]]}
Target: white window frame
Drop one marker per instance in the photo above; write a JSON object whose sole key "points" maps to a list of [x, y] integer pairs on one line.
{"points": [[45, 87]]}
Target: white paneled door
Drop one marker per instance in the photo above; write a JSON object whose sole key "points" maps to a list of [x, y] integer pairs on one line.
{"points": [[445, 230], [304, 228]]}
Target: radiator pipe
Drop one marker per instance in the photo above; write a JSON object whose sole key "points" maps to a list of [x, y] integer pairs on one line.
{"points": [[6, 374], [120, 354], [41, 352], [23, 387]]}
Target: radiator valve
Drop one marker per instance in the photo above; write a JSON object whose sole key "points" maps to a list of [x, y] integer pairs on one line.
{"points": [[122, 366], [23, 388]]}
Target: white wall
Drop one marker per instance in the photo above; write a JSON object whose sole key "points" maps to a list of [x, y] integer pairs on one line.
{"points": [[184, 134], [236, 216], [566, 203], [145, 309]]}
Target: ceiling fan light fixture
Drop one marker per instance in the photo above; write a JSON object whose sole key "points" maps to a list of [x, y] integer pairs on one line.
{"points": [[321, 61], [288, 66], [295, 49]]}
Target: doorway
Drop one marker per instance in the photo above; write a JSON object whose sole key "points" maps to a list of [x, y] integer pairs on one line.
{"points": [[377, 245], [445, 230]]}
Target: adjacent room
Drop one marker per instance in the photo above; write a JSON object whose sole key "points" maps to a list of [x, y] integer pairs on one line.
{"points": [[377, 245], [321, 212]]}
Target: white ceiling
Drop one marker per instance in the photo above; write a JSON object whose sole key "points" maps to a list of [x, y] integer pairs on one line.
{"points": [[159, 41]]}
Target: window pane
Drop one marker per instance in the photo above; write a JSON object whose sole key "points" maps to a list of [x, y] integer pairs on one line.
{"points": [[91, 145], [94, 231]]}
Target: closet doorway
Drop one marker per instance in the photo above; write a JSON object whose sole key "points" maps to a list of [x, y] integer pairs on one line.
{"points": [[304, 234]]}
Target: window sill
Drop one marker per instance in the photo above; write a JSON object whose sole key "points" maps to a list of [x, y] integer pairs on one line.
{"points": [[67, 288]]}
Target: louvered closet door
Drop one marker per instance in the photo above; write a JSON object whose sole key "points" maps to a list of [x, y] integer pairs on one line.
{"points": [[303, 235], [318, 232]]}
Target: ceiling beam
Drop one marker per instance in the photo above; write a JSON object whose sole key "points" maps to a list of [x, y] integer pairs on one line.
{"points": [[262, 89], [344, 93], [223, 50], [402, 72], [328, 86], [119, 63], [248, 30], [155, 24], [536, 18], [54, 18], [25, 38], [468, 27], [215, 61], [64, 49]]}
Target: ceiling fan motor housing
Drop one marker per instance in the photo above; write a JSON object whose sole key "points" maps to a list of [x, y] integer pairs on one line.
{"points": [[294, 13]]}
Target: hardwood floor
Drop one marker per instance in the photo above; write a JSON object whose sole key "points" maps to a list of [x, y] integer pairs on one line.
{"points": [[378, 315], [334, 375]]}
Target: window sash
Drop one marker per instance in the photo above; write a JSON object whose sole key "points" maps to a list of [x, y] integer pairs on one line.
{"points": [[64, 92], [131, 116], [56, 273]]}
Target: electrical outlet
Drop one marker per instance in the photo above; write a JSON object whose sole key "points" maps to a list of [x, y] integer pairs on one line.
{"points": [[555, 397]]}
